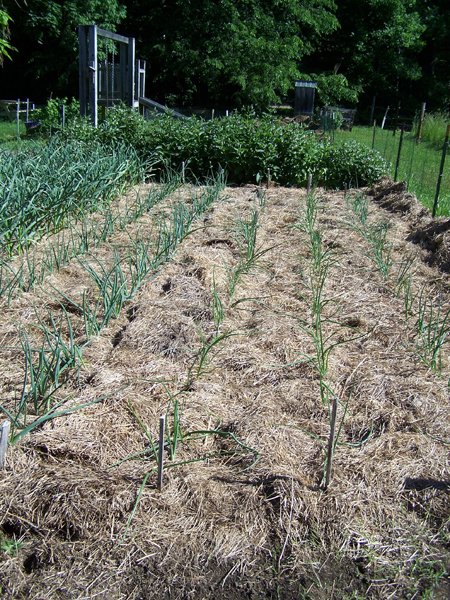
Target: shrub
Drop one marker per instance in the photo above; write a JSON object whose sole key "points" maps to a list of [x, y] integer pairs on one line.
{"points": [[351, 164], [247, 147]]}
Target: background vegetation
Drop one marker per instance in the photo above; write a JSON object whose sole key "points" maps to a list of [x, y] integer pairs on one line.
{"points": [[240, 52]]}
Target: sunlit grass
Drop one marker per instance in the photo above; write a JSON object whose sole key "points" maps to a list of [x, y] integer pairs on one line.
{"points": [[419, 163]]}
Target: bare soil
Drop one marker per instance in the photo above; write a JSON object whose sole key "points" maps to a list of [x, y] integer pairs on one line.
{"points": [[241, 513]]}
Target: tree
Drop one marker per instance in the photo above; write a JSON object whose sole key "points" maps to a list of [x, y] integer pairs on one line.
{"points": [[435, 55], [5, 46], [227, 52], [45, 34], [376, 47]]}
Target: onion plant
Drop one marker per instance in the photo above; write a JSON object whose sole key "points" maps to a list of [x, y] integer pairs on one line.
{"points": [[250, 254], [46, 365], [322, 260], [374, 233], [433, 327], [42, 187]]}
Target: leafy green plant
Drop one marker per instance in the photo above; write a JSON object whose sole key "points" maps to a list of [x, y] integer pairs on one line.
{"points": [[244, 145], [350, 164], [10, 546]]}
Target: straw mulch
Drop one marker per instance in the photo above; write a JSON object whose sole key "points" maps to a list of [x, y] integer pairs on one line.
{"points": [[241, 514]]}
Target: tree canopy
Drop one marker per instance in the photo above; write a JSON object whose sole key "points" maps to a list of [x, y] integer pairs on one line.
{"points": [[238, 52]]}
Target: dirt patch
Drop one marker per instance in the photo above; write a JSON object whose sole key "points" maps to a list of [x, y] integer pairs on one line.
{"points": [[393, 196], [434, 237]]}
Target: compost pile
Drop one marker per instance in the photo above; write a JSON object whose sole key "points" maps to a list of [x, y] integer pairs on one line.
{"points": [[220, 340]]}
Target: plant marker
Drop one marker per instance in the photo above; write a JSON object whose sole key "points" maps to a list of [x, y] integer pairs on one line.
{"points": [[330, 449], [309, 185], [162, 426], [4, 433]]}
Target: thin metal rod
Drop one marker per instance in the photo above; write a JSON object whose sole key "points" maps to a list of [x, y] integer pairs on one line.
{"points": [[441, 170], [400, 143], [421, 120], [373, 134]]}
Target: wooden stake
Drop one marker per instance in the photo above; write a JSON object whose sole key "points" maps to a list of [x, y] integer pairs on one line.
{"points": [[330, 450], [4, 434], [162, 427], [421, 120], [384, 118], [309, 184]]}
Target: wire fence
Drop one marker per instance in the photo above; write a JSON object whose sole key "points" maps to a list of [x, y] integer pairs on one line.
{"points": [[422, 164]]}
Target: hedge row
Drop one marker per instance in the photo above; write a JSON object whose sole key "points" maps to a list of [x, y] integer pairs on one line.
{"points": [[248, 148]]}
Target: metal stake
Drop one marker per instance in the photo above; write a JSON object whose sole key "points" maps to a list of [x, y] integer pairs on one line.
{"points": [[400, 143], [441, 170]]}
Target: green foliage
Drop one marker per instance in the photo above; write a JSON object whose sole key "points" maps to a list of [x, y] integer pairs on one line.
{"points": [[50, 116], [334, 89], [248, 148], [42, 186], [228, 53], [46, 34], [5, 46], [351, 164], [434, 128], [376, 47]]}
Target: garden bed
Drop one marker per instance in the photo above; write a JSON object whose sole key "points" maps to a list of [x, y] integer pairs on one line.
{"points": [[222, 338]]}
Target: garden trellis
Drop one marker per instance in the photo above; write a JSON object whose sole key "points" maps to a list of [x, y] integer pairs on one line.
{"points": [[117, 78]]}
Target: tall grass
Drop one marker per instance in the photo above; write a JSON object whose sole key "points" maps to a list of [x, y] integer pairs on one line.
{"points": [[434, 128]]}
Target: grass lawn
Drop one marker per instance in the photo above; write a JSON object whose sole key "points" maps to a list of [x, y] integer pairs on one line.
{"points": [[8, 130], [419, 163]]}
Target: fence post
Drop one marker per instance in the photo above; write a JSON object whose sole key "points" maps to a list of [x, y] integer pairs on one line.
{"points": [[400, 143], [384, 118], [441, 170], [373, 134], [18, 118], [372, 110], [421, 120]]}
